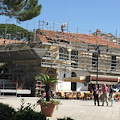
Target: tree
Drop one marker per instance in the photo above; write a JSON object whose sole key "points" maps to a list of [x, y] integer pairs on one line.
{"points": [[14, 32], [47, 80], [21, 10]]}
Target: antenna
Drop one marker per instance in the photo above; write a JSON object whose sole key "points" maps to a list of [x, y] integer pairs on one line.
{"points": [[116, 33]]}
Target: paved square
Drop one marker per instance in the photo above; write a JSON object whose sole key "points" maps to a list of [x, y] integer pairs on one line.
{"points": [[76, 109]]}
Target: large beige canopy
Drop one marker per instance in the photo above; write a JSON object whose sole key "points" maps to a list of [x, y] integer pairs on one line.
{"points": [[81, 79]]}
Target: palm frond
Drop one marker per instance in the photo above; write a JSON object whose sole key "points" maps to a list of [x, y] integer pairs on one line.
{"points": [[46, 79]]}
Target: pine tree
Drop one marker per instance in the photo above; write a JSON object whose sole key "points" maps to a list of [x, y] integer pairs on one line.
{"points": [[22, 10]]}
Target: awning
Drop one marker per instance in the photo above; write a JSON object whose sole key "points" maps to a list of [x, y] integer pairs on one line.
{"points": [[102, 79], [18, 55], [81, 79], [102, 82]]}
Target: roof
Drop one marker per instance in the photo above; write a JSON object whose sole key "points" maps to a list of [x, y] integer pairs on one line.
{"points": [[74, 37]]}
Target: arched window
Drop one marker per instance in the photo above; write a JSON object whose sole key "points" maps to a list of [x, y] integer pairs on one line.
{"points": [[73, 74], [51, 72]]}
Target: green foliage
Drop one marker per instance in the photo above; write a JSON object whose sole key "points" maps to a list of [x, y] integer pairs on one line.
{"points": [[68, 118], [15, 31], [6, 112], [46, 79], [22, 10], [23, 113], [55, 102], [117, 95], [44, 102], [88, 93], [100, 90], [28, 113]]}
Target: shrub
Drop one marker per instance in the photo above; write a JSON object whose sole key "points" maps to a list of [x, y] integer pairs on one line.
{"points": [[117, 95], [28, 113], [88, 94], [6, 112]]}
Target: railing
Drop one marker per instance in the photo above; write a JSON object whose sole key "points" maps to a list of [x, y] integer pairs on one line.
{"points": [[12, 88]]}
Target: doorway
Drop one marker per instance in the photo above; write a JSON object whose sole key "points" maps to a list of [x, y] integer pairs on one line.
{"points": [[73, 84]]}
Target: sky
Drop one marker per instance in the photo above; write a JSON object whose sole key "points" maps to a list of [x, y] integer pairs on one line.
{"points": [[84, 15]]}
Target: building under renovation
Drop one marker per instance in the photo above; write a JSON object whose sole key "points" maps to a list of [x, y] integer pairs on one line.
{"points": [[77, 59]]}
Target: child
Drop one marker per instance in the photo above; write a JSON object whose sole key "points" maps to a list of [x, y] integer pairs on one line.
{"points": [[112, 100], [111, 95]]}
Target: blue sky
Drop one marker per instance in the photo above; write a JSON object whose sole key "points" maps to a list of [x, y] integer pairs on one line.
{"points": [[84, 14]]}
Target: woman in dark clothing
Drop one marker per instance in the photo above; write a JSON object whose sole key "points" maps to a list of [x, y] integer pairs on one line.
{"points": [[110, 91], [95, 94]]}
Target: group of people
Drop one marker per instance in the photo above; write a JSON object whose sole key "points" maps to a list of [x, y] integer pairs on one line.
{"points": [[105, 92]]}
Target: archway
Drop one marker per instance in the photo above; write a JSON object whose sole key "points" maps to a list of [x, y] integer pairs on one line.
{"points": [[73, 84]]}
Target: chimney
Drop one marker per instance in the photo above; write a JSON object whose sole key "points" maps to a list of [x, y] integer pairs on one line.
{"points": [[98, 32]]}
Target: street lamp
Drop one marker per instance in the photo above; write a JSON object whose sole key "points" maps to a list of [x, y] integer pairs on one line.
{"points": [[97, 49], [97, 54]]}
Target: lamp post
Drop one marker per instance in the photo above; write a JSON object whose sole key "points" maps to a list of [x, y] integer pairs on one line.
{"points": [[97, 49], [97, 54]]}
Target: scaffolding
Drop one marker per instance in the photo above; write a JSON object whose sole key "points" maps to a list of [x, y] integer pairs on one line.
{"points": [[77, 51], [50, 47], [18, 61]]}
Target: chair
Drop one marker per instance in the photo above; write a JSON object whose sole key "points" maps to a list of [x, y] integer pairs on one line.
{"points": [[74, 95], [69, 95], [62, 95], [81, 95]]}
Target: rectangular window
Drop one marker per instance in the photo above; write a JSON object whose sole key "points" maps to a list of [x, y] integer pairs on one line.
{"points": [[63, 54], [113, 63], [94, 60], [74, 57]]}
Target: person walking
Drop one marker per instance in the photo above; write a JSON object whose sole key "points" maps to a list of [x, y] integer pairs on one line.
{"points": [[111, 95], [110, 91], [95, 94], [104, 96]]}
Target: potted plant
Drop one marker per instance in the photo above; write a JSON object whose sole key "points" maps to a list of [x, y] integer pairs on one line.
{"points": [[88, 96], [117, 96], [48, 105]]}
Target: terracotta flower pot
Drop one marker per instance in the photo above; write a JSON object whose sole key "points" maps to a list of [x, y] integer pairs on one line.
{"points": [[48, 110]]}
